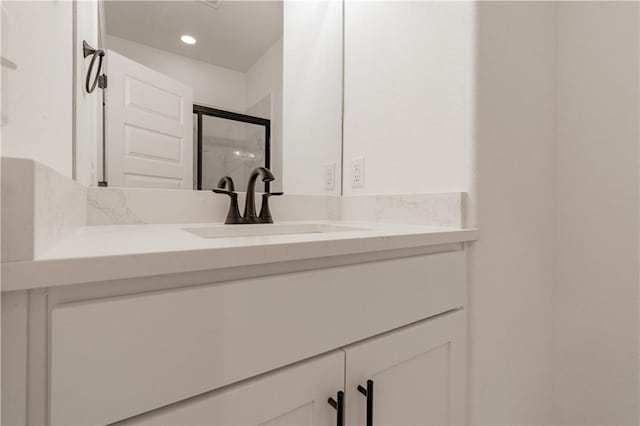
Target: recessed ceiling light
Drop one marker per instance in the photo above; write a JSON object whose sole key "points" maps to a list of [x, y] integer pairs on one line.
{"points": [[187, 39]]}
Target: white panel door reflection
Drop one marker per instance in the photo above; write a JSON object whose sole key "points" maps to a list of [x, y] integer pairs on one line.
{"points": [[149, 127]]}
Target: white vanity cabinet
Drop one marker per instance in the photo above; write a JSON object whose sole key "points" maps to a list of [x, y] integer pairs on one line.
{"points": [[417, 374], [268, 349], [296, 395]]}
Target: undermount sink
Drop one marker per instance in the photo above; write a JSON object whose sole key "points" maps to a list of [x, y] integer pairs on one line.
{"points": [[229, 231]]}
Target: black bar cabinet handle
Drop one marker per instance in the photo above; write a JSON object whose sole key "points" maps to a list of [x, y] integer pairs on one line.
{"points": [[368, 392], [339, 407]]}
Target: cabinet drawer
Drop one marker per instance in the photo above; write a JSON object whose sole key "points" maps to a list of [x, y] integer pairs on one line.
{"points": [[294, 395], [115, 358]]}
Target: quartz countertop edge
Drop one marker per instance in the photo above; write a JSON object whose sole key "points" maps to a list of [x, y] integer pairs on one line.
{"points": [[103, 253]]}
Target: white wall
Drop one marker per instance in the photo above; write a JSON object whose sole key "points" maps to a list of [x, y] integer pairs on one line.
{"points": [[264, 78], [40, 43], [596, 296], [459, 96], [312, 94], [552, 126], [212, 85], [408, 83], [512, 202], [6, 67]]}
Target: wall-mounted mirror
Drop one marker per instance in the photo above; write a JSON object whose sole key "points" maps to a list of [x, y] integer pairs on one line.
{"points": [[198, 90]]}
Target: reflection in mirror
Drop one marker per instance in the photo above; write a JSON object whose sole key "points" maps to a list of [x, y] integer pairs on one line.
{"points": [[230, 144], [198, 90], [218, 62]]}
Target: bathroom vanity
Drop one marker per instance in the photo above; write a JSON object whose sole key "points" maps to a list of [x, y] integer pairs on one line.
{"points": [[128, 301], [238, 324]]}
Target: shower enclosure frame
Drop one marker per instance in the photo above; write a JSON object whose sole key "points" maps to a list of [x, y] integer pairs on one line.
{"points": [[200, 110]]}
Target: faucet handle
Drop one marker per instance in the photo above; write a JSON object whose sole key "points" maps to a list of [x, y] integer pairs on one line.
{"points": [[233, 215], [223, 191], [226, 181], [265, 212]]}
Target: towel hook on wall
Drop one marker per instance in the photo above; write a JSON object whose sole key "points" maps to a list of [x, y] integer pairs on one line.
{"points": [[99, 80]]}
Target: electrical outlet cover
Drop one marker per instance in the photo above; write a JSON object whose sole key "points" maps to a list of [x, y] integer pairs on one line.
{"points": [[330, 176], [357, 172]]}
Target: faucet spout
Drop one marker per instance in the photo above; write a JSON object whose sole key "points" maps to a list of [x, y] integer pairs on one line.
{"points": [[250, 214]]}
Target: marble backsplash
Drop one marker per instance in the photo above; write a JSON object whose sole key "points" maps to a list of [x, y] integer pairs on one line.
{"points": [[40, 206], [120, 206], [126, 206], [441, 209]]}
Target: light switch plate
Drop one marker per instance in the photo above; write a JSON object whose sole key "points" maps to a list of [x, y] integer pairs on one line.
{"points": [[357, 172], [330, 176]]}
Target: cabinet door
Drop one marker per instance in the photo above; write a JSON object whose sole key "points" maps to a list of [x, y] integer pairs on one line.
{"points": [[294, 395], [418, 374]]}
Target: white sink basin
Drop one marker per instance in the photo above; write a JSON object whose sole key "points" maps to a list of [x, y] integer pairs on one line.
{"points": [[229, 231]]}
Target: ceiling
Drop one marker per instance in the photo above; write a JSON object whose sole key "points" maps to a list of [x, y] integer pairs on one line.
{"points": [[232, 34]]}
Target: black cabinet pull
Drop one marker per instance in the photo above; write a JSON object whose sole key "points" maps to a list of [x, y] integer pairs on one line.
{"points": [[339, 406], [368, 392]]}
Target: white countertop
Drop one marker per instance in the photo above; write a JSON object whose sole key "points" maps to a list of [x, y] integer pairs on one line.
{"points": [[101, 253]]}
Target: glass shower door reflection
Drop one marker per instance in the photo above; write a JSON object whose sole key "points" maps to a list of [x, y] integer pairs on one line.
{"points": [[231, 147]]}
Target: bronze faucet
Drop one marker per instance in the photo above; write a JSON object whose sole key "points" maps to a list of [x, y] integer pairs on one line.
{"points": [[250, 216]]}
